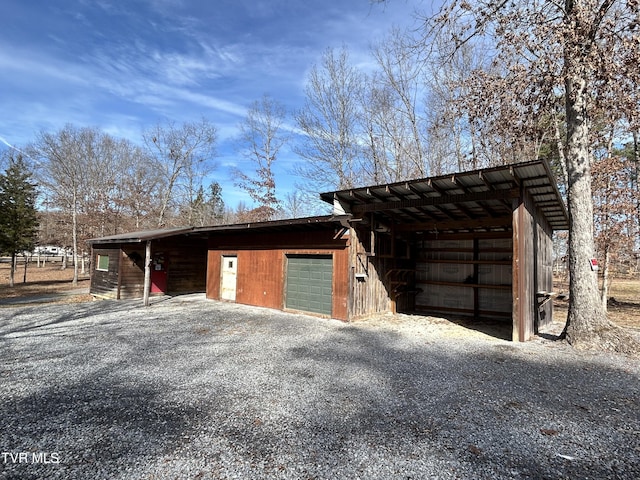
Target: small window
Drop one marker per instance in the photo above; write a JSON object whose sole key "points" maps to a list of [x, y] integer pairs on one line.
{"points": [[103, 263]]}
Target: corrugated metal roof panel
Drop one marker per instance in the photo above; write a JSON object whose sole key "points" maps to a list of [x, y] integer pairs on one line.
{"points": [[141, 236], [535, 176]]}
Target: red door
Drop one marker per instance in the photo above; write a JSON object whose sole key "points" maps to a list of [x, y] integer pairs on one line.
{"points": [[159, 266]]}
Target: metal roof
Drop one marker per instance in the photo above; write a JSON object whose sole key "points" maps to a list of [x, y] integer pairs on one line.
{"points": [[305, 223], [141, 236], [288, 225], [479, 199]]}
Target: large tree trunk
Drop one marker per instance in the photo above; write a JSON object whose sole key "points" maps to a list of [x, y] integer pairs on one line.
{"points": [[587, 324]]}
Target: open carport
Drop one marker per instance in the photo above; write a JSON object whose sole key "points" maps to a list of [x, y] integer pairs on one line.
{"points": [[188, 388]]}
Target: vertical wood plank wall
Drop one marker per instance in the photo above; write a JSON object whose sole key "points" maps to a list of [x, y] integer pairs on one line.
{"points": [[214, 269], [261, 279], [132, 271], [370, 294], [187, 267], [105, 283], [532, 269], [544, 269]]}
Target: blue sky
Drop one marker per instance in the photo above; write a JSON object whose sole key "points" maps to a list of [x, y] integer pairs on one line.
{"points": [[125, 65]]}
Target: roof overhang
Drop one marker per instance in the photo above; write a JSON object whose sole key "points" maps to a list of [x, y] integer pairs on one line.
{"points": [[288, 225], [141, 236], [476, 200]]}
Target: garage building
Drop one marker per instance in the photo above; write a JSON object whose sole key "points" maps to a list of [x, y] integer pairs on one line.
{"points": [[474, 243]]}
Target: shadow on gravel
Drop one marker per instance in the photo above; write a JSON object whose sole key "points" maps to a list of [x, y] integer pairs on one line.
{"points": [[496, 413], [12, 320], [97, 428], [234, 392]]}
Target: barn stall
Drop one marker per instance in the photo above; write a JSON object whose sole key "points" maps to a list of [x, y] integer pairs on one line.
{"points": [[476, 243]]}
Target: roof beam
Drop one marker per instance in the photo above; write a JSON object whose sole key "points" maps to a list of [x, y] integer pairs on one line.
{"points": [[441, 200], [503, 221]]}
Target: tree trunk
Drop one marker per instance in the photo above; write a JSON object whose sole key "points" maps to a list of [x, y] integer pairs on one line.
{"points": [[74, 235], [587, 324], [24, 274], [12, 270], [605, 277]]}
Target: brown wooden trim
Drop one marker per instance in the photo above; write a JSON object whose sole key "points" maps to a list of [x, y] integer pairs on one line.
{"points": [[465, 236], [518, 275], [121, 256], [469, 223], [470, 311], [461, 284]]}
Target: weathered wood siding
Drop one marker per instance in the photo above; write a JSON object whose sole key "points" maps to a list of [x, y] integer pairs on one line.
{"points": [[261, 265], [260, 278], [105, 283], [214, 269], [468, 274], [544, 270], [532, 266], [370, 282], [187, 263], [186, 267], [131, 271]]}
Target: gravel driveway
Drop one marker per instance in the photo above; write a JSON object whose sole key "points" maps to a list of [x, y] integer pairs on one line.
{"points": [[190, 388]]}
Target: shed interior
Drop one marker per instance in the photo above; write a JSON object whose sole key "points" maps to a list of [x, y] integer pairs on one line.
{"points": [[475, 243]]}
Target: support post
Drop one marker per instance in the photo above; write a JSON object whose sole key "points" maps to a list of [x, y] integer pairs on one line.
{"points": [[147, 273]]}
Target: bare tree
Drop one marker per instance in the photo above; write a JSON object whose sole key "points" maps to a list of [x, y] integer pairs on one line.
{"points": [[329, 123], [138, 187], [260, 140], [400, 76], [208, 206], [183, 154], [573, 49], [452, 132], [615, 200], [64, 156]]}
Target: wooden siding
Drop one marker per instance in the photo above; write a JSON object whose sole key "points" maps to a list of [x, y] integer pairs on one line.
{"points": [[105, 283], [532, 267], [187, 263], [261, 263], [341, 284], [544, 271], [214, 266], [465, 275], [260, 274], [187, 267], [131, 271], [371, 290]]}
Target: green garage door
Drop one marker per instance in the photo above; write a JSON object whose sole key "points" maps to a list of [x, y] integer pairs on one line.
{"points": [[309, 280]]}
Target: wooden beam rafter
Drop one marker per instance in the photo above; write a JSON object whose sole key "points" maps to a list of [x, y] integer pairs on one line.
{"points": [[434, 201], [469, 224]]}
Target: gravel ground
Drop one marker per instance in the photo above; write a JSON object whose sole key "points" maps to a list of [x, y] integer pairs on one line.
{"points": [[197, 389]]}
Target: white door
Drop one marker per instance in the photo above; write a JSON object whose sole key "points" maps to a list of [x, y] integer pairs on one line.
{"points": [[229, 274]]}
